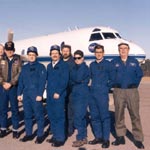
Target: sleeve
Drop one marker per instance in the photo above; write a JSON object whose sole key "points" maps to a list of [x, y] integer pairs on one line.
{"points": [[1, 75], [20, 84], [42, 80], [139, 74], [111, 75], [64, 79], [14, 80]]}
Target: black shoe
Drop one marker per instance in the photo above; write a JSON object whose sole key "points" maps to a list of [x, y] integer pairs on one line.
{"points": [[39, 140], [3, 133], [58, 143], [52, 140], [15, 135], [105, 144], [27, 138], [119, 140], [96, 141], [139, 144]]}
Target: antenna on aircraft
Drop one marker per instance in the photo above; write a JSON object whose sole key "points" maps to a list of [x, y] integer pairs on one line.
{"points": [[76, 27], [10, 35], [69, 29]]}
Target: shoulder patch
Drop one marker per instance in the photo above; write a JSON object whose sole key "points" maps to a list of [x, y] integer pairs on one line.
{"points": [[3, 62]]}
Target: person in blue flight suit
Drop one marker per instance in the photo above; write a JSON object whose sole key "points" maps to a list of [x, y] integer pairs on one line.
{"points": [[79, 79], [128, 75], [101, 80], [32, 81], [10, 67], [68, 58], [57, 81]]}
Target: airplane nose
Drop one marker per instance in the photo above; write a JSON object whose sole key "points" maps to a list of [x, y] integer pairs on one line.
{"points": [[137, 52], [136, 49]]}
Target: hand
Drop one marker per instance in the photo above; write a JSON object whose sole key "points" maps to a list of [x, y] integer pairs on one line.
{"points": [[39, 98], [56, 96], [20, 98], [6, 85]]}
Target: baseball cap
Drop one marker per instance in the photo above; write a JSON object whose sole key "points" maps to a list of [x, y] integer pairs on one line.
{"points": [[10, 46]]}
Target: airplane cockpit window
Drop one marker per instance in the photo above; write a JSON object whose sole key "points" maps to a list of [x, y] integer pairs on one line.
{"points": [[108, 35], [117, 34], [95, 36]]}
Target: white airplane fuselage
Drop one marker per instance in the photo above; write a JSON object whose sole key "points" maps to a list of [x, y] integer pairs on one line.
{"points": [[82, 39]]}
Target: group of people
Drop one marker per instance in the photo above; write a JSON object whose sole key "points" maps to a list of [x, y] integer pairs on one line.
{"points": [[72, 88]]}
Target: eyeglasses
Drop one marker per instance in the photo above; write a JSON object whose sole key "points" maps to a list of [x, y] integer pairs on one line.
{"points": [[75, 58]]}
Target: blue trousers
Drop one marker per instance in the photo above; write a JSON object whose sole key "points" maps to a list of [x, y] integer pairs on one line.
{"points": [[80, 110], [33, 108], [70, 114], [56, 115], [100, 116], [9, 96]]}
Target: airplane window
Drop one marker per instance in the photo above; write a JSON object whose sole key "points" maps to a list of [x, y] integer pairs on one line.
{"points": [[117, 34], [95, 36], [109, 35]]}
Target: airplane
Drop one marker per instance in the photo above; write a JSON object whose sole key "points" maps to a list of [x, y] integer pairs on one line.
{"points": [[84, 39]]}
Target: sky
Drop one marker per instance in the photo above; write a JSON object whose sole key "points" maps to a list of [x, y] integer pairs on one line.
{"points": [[30, 18]]}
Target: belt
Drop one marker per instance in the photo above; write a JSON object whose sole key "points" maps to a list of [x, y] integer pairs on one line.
{"points": [[130, 86]]}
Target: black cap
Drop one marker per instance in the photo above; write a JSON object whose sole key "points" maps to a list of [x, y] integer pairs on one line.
{"points": [[55, 47], [33, 50], [10, 46], [79, 52]]}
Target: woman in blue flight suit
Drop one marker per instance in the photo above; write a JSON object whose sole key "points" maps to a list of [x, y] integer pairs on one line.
{"points": [[32, 84], [79, 79]]}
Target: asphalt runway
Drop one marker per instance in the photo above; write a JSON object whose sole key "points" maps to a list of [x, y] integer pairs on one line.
{"points": [[7, 143]]}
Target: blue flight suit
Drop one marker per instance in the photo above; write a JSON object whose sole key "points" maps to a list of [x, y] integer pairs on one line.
{"points": [[69, 107], [79, 79], [128, 74], [32, 81], [101, 77], [58, 77]]}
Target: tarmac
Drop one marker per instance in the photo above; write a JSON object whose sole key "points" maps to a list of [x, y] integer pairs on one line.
{"points": [[8, 143]]}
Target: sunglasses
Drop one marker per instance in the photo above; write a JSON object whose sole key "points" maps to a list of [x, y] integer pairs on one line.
{"points": [[75, 58]]}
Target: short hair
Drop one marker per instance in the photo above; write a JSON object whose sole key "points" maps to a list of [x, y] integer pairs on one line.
{"points": [[66, 46], [98, 46], [123, 44], [79, 52]]}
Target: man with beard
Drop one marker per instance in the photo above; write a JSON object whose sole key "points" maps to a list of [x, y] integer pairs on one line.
{"points": [[67, 57]]}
